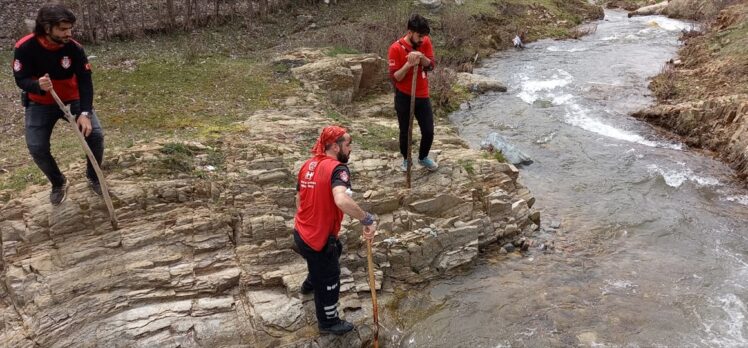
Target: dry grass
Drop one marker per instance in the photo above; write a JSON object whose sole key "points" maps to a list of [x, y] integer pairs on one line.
{"points": [[663, 85], [698, 10]]}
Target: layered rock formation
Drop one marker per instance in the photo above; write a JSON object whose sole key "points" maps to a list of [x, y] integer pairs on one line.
{"points": [[207, 261]]}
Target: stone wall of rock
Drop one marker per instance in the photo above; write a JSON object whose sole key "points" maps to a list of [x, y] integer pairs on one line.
{"points": [[719, 124]]}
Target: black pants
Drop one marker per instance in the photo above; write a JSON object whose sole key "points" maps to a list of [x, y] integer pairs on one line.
{"points": [[40, 120], [425, 117], [324, 276]]}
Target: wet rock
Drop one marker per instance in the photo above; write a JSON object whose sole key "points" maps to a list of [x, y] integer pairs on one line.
{"points": [[555, 224], [535, 217], [508, 247], [495, 142], [479, 84], [431, 4], [650, 10]]}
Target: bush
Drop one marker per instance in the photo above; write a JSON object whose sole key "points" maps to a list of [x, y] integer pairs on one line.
{"points": [[443, 95], [663, 85]]}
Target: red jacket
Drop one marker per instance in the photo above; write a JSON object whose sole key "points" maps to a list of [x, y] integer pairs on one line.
{"points": [[67, 66], [317, 217], [398, 54]]}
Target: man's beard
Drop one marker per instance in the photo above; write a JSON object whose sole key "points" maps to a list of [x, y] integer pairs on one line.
{"points": [[59, 40], [343, 158]]}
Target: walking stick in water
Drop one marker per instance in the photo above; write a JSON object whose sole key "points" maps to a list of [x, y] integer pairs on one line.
{"points": [[373, 287], [410, 123], [90, 155]]}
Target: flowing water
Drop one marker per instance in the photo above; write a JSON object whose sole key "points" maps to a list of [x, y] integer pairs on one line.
{"points": [[652, 249]]}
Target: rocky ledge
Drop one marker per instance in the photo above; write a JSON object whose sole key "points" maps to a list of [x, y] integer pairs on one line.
{"points": [[207, 261]]}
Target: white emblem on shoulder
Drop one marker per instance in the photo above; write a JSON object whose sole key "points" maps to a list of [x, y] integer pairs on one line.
{"points": [[65, 62], [17, 66]]}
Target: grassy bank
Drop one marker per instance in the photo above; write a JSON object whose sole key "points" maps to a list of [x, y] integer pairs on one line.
{"points": [[195, 85], [714, 63], [703, 95]]}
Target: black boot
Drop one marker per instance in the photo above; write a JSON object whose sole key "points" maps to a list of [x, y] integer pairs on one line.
{"points": [[306, 287], [339, 328]]}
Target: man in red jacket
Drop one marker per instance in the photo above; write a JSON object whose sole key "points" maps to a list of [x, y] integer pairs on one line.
{"points": [[324, 195], [414, 49], [49, 58]]}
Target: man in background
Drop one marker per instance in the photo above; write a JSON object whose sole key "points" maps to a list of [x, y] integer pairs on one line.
{"points": [[414, 49]]}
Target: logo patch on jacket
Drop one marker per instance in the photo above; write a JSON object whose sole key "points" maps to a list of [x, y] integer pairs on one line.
{"points": [[17, 66], [344, 176], [65, 62]]}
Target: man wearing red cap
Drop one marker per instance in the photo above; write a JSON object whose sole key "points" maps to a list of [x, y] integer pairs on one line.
{"points": [[323, 196]]}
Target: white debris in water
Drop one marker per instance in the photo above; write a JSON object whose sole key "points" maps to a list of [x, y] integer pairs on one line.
{"points": [[676, 178], [726, 331], [562, 99], [669, 24], [614, 286], [740, 199]]}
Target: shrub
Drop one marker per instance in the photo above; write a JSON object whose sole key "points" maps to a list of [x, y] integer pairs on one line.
{"points": [[663, 85]]}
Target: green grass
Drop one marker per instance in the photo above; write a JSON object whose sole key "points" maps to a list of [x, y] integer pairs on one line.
{"points": [[162, 86], [468, 165], [337, 117], [168, 94], [495, 155], [21, 177], [378, 138]]}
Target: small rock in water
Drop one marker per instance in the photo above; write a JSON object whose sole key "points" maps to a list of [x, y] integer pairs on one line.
{"points": [[555, 224], [508, 247], [495, 142], [503, 250], [542, 104]]}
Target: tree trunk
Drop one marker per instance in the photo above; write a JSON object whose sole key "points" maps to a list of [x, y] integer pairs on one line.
{"points": [[170, 13]]}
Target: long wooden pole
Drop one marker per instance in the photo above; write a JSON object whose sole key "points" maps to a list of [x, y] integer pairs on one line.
{"points": [[90, 155], [410, 123], [373, 287]]}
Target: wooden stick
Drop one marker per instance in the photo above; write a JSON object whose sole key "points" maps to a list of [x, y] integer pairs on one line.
{"points": [[373, 288], [410, 123], [90, 155]]}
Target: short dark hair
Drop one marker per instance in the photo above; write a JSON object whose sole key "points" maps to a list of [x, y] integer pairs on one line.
{"points": [[50, 15], [419, 24]]}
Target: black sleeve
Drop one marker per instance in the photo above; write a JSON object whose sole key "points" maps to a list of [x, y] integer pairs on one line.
{"points": [[22, 71], [85, 83], [341, 176]]}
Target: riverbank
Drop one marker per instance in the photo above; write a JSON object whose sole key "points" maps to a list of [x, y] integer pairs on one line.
{"points": [[702, 95]]}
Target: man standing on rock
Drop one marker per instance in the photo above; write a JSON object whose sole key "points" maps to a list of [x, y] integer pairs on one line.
{"points": [[414, 49], [323, 196], [49, 58]]}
